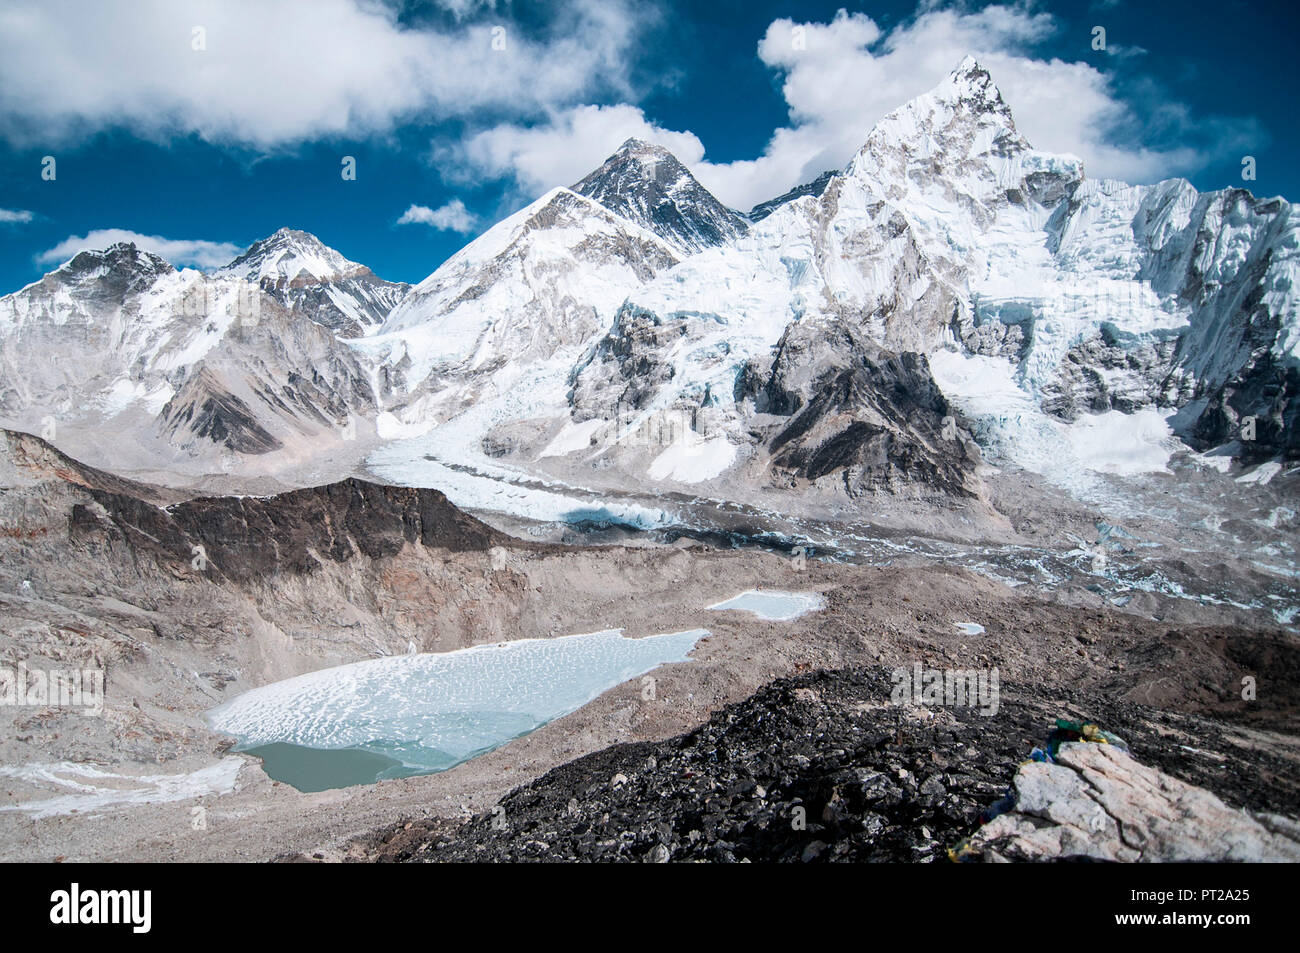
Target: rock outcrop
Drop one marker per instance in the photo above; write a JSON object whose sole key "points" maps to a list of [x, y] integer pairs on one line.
{"points": [[823, 767], [1097, 803]]}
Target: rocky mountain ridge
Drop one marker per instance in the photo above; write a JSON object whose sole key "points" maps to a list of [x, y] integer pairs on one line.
{"points": [[304, 275], [646, 184], [1030, 304]]}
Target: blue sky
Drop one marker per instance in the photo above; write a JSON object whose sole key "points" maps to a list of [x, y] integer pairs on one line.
{"points": [[460, 111]]}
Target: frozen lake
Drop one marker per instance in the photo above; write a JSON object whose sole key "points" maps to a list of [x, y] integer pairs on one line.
{"points": [[773, 604], [416, 714]]}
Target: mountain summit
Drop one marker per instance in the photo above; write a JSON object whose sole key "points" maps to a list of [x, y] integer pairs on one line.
{"points": [[296, 255], [646, 184], [304, 274], [950, 262]]}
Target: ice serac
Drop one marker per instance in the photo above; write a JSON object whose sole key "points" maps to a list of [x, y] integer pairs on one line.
{"points": [[949, 234], [646, 184], [300, 272]]}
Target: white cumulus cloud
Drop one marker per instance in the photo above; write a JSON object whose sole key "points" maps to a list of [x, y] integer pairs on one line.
{"points": [[841, 77], [562, 150], [14, 216], [452, 217], [271, 74], [850, 73], [196, 252]]}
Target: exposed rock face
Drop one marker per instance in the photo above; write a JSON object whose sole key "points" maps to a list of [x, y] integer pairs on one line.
{"points": [[26, 460], [823, 767], [247, 538], [876, 419], [1097, 802], [206, 410], [299, 271], [128, 361], [1266, 394], [816, 187], [1101, 373], [646, 184], [106, 277], [271, 384]]}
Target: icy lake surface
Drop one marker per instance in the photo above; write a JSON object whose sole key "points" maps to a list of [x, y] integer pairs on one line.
{"points": [[773, 604], [416, 714]]}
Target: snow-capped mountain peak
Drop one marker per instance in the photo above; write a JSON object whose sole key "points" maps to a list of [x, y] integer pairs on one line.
{"points": [[639, 147], [544, 279], [306, 275], [972, 85], [295, 255], [646, 184], [961, 130], [119, 269]]}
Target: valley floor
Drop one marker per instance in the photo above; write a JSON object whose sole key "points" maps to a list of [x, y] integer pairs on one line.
{"points": [[1061, 656], [1192, 598]]}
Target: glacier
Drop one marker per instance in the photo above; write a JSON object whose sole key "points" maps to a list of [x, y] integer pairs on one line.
{"points": [[1087, 330]]}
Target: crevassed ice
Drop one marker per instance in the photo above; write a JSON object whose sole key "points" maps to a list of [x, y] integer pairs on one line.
{"points": [[434, 710], [774, 604]]}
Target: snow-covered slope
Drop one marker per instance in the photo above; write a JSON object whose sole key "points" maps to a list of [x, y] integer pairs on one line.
{"points": [[634, 329], [948, 231], [303, 274], [528, 292], [136, 364]]}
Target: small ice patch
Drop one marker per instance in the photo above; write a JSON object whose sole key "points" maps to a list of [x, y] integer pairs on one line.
{"points": [[693, 459], [572, 438], [95, 790], [1127, 444], [1262, 474], [1219, 458], [969, 628], [1277, 516], [773, 605]]}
